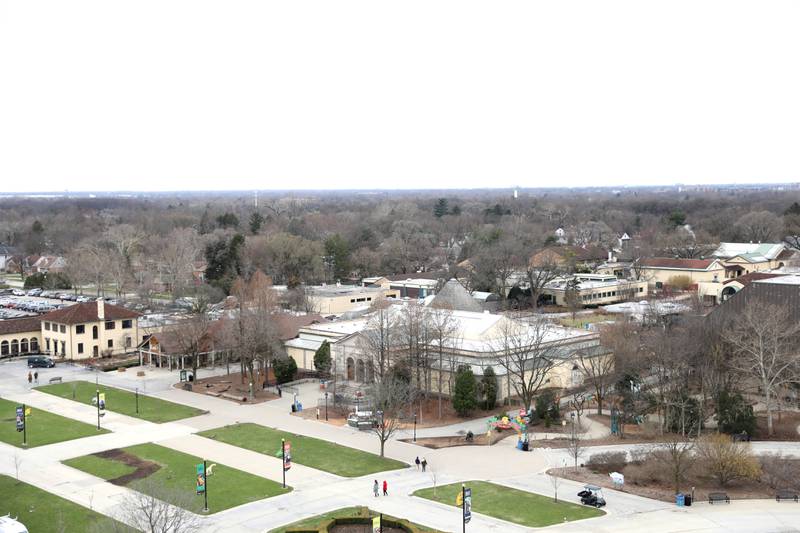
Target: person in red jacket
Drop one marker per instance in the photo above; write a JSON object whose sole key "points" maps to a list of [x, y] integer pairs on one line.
{"points": [[385, 488]]}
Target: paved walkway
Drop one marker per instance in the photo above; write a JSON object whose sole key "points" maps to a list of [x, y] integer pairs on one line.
{"points": [[316, 492]]}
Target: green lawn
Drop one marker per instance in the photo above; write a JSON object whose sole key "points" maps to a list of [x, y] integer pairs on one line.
{"points": [[227, 487], [321, 521], [518, 506], [122, 401], [42, 427], [43, 512], [307, 451]]}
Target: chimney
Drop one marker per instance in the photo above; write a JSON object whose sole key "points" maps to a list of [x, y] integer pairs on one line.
{"points": [[101, 309]]}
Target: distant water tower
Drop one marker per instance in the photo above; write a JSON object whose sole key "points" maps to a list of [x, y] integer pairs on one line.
{"points": [[516, 193]]}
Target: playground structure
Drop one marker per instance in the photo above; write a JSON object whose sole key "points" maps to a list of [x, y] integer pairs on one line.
{"points": [[518, 423]]}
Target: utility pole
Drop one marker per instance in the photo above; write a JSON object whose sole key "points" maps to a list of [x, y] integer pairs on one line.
{"points": [[283, 461], [137, 400], [24, 426], [97, 400], [326, 406], [415, 427]]}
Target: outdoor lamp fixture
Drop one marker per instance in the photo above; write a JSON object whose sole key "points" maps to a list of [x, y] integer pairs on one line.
{"points": [[415, 427]]}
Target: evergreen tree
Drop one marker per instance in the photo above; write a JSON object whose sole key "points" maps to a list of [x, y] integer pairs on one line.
{"points": [[465, 391], [337, 249], [322, 358], [256, 221], [489, 388], [285, 369], [440, 209]]}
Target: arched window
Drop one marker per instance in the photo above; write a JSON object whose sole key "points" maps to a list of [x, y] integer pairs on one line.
{"points": [[94, 332], [14, 347], [34, 343], [361, 374], [23, 346], [370, 372], [351, 369], [4, 348]]}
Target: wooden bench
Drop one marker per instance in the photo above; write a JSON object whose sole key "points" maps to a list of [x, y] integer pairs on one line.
{"points": [[56, 379], [718, 497], [786, 494]]}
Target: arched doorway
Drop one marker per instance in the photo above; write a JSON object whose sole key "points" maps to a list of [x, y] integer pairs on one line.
{"points": [[23, 346], [361, 373], [4, 348], [14, 347], [727, 292], [351, 369], [94, 332], [34, 345]]}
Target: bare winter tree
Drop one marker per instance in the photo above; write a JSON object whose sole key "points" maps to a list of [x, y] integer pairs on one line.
{"points": [[17, 464], [389, 400], [677, 457], [176, 253], [599, 370], [764, 342], [443, 334], [759, 226], [191, 335], [539, 274], [379, 336], [555, 482], [575, 449], [528, 352], [157, 508]]}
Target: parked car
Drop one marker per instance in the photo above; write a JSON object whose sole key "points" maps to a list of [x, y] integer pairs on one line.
{"points": [[83, 299], [361, 420], [40, 361], [18, 292], [35, 292]]}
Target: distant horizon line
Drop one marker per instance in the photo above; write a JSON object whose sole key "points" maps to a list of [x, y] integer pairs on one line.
{"points": [[89, 192]]}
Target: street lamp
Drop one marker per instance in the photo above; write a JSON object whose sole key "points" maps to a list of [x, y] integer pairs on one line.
{"points": [[415, 427], [326, 406]]}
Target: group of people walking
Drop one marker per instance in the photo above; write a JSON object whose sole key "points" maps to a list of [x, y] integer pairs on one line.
{"points": [[423, 463], [376, 488]]}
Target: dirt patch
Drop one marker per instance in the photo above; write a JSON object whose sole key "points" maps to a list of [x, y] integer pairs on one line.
{"points": [[143, 468], [362, 528], [232, 387], [665, 492]]}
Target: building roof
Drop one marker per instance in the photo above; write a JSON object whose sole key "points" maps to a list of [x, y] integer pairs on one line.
{"points": [[87, 312], [579, 253], [19, 325], [678, 264], [7, 250], [454, 296], [289, 324], [747, 279], [753, 252], [783, 291]]}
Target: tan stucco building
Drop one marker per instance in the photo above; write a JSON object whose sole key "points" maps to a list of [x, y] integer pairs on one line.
{"points": [[19, 336], [339, 299], [90, 329]]}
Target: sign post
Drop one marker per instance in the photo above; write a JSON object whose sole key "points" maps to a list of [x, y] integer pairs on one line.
{"points": [[100, 399], [377, 523], [137, 400], [286, 456], [466, 506], [202, 484], [22, 423]]}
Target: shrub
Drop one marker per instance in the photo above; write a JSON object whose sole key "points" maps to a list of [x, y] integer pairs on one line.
{"points": [[607, 462], [646, 473], [322, 358], [779, 472], [725, 460], [547, 406], [681, 283], [734, 414], [285, 369]]}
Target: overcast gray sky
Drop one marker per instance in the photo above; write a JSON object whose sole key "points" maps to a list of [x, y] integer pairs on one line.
{"points": [[166, 95]]}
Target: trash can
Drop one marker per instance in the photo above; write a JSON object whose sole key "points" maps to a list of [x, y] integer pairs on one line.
{"points": [[294, 408], [680, 499], [687, 500]]}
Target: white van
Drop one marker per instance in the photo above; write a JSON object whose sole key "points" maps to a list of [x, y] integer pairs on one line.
{"points": [[11, 525]]}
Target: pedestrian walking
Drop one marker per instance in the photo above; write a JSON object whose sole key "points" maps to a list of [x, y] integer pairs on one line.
{"points": [[30, 378], [424, 464], [36, 377], [376, 489], [417, 462], [385, 488], [280, 393]]}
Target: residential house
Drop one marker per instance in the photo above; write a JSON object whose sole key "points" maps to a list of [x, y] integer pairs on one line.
{"points": [[743, 258], [569, 257], [46, 264], [6, 254]]}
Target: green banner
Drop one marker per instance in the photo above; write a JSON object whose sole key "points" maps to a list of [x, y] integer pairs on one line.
{"points": [[201, 478]]}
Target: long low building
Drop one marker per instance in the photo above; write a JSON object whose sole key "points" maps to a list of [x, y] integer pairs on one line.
{"points": [[475, 339], [594, 289], [80, 331]]}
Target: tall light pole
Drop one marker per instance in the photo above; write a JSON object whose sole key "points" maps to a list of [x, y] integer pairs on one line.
{"points": [[97, 400], [326, 406], [415, 427]]}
